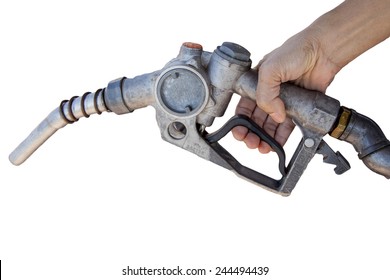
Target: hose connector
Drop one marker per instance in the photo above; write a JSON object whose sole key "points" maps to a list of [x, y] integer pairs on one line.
{"points": [[366, 137]]}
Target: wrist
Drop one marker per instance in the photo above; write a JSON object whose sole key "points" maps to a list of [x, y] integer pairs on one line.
{"points": [[350, 29]]}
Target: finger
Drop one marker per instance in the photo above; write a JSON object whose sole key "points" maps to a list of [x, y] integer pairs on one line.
{"points": [[284, 131], [261, 117], [270, 127], [252, 141], [280, 132], [267, 96], [281, 135], [264, 147], [276, 110], [249, 108], [244, 107]]}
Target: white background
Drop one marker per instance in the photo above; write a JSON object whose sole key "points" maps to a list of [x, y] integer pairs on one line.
{"points": [[107, 192]]}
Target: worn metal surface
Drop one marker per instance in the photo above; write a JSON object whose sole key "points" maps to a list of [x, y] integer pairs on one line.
{"points": [[195, 88], [370, 142]]}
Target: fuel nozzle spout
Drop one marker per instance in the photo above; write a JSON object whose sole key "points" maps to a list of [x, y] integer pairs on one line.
{"points": [[367, 138]]}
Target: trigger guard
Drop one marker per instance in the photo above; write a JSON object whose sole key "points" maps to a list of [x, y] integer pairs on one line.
{"points": [[242, 120]]}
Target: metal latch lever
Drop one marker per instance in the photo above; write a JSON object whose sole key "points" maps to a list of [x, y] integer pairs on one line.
{"points": [[332, 157]]}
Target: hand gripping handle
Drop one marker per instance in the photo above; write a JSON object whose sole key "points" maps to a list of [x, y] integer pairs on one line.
{"points": [[317, 115], [313, 112]]}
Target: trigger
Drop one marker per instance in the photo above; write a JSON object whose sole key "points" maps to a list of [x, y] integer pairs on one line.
{"points": [[241, 120]]}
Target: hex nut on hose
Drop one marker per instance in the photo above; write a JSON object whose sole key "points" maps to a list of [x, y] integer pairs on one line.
{"points": [[342, 123]]}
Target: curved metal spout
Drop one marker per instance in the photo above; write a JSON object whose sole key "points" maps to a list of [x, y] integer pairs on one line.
{"points": [[68, 112]]}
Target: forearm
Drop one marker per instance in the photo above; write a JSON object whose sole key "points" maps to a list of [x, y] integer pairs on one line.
{"points": [[352, 28]]}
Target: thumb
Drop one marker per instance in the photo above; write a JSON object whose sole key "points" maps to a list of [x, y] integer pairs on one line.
{"points": [[267, 97], [275, 108]]}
